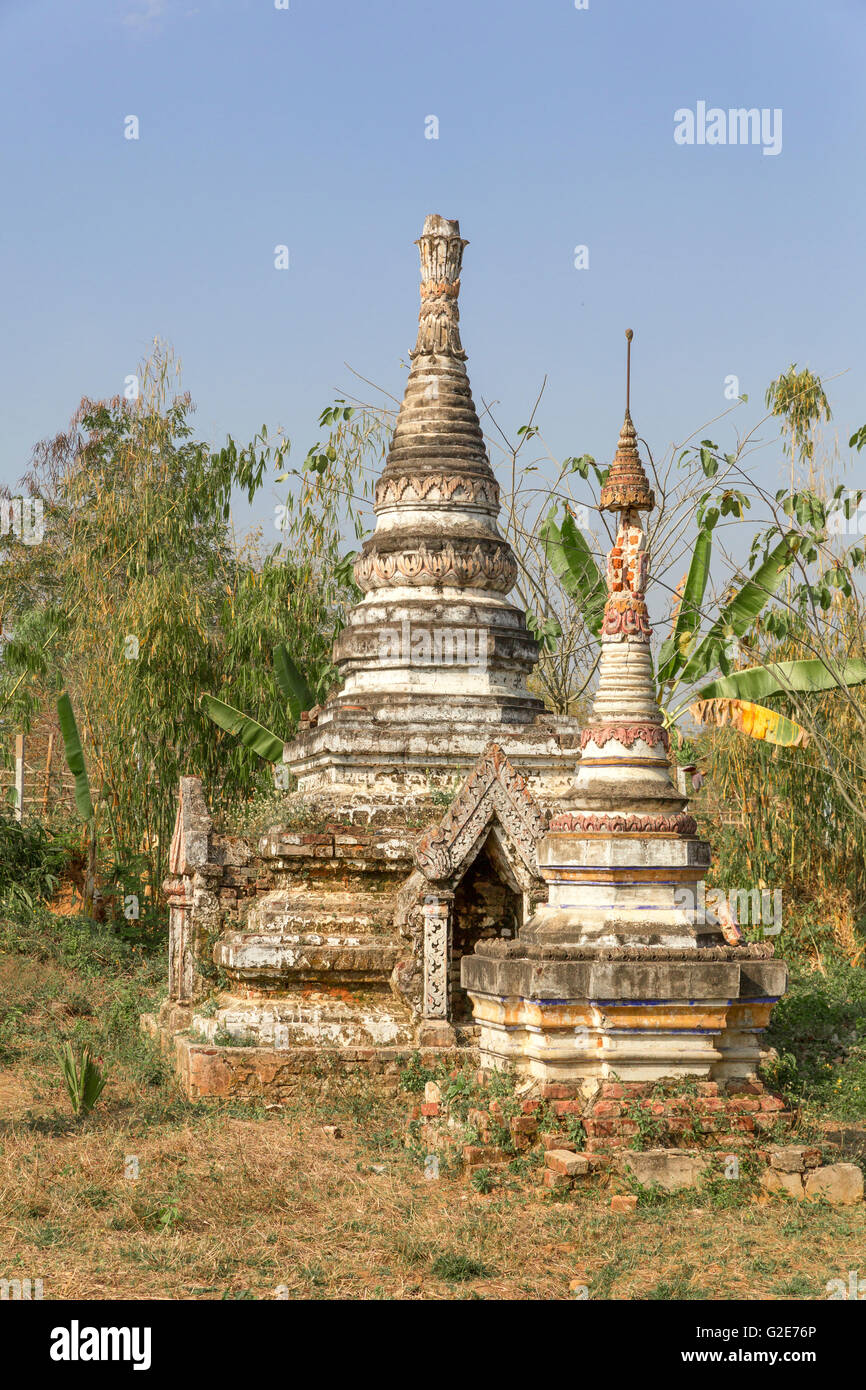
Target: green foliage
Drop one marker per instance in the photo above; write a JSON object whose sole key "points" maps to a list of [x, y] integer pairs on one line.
{"points": [[138, 601], [75, 757], [84, 1078], [456, 1268], [799, 400], [575, 567], [482, 1181], [295, 687], [251, 734], [32, 860], [415, 1075], [819, 1029]]}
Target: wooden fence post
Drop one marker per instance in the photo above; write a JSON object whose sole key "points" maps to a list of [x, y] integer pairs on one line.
{"points": [[19, 776]]}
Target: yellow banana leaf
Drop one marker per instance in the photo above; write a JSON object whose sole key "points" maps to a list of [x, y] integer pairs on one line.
{"points": [[755, 721]]}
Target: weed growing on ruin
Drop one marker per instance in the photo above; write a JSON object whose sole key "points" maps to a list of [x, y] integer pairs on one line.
{"points": [[650, 1131], [482, 1181]]}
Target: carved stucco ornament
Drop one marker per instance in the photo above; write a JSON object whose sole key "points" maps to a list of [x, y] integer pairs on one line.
{"points": [[626, 734], [492, 791]]}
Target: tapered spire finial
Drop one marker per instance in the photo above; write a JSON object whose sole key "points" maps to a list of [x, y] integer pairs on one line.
{"points": [[629, 334], [627, 487]]}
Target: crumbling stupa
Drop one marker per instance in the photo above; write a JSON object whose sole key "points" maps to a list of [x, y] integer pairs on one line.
{"points": [[434, 659], [320, 944], [620, 973]]}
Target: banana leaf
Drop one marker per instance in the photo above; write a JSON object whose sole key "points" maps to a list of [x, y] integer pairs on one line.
{"points": [[574, 565], [75, 757], [292, 683], [674, 651], [778, 678], [756, 721], [251, 734], [738, 615]]}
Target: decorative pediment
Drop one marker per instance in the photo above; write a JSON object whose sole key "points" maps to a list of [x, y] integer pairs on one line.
{"points": [[496, 798]]}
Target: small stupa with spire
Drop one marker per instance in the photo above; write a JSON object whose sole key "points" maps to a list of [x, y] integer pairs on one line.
{"points": [[623, 971], [434, 659]]}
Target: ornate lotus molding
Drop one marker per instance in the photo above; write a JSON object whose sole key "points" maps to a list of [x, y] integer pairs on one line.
{"points": [[625, 615], [614, 822], [438, 487], [478, 567], [626, 734]]}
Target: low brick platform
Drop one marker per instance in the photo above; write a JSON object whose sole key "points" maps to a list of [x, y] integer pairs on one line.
{"points": [[616, 1119], [672, 1113], [208, 1072], [737, 1112]]}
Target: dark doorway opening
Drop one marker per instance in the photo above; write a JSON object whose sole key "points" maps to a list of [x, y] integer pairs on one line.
{"points": [[485, 906]]}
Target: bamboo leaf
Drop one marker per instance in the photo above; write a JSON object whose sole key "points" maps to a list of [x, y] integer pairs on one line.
{"points": [[251, 734]]}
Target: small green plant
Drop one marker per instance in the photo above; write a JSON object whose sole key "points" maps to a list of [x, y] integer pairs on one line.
{"points": [[223, 1038], [481, 1181], [414, 1076], [457, 1269], [651, 1129], [575, 1131], [676, 1289], [85, 1080]]}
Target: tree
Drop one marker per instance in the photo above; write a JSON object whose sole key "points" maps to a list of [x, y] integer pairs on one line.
{"points": [[137, 601], [798, 398]]}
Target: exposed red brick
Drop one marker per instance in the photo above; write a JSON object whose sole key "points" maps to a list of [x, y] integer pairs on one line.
{"points": [[772, 1103], [610, 1108], [567, 1107], [557, 1141]]}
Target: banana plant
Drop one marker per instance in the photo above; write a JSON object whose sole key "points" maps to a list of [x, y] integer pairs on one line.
{"points": [[299, 696], [574, 565], [689, 654], [74, 754]]}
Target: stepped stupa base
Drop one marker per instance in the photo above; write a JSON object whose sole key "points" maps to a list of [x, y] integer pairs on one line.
{"points": [[354, 752], [275, 1075], [584, 1015]]}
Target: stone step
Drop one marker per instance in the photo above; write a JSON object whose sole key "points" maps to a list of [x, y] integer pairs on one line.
{"points": [[278, 957], [306, 1022], [326, 913]]}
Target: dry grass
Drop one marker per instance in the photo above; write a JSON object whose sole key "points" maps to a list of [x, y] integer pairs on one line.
{"points": [[226, 1206], [235, 1202]]}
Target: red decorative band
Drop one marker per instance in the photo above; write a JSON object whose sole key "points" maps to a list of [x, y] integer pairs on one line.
{"points": [[612, 823], [626, 734], [625, 615]]}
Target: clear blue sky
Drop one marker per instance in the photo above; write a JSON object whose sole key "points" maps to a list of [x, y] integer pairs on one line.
{"points": [[306, 127]]}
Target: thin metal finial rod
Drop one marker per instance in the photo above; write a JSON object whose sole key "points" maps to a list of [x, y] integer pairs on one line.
{"points": [[629, 335]]}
